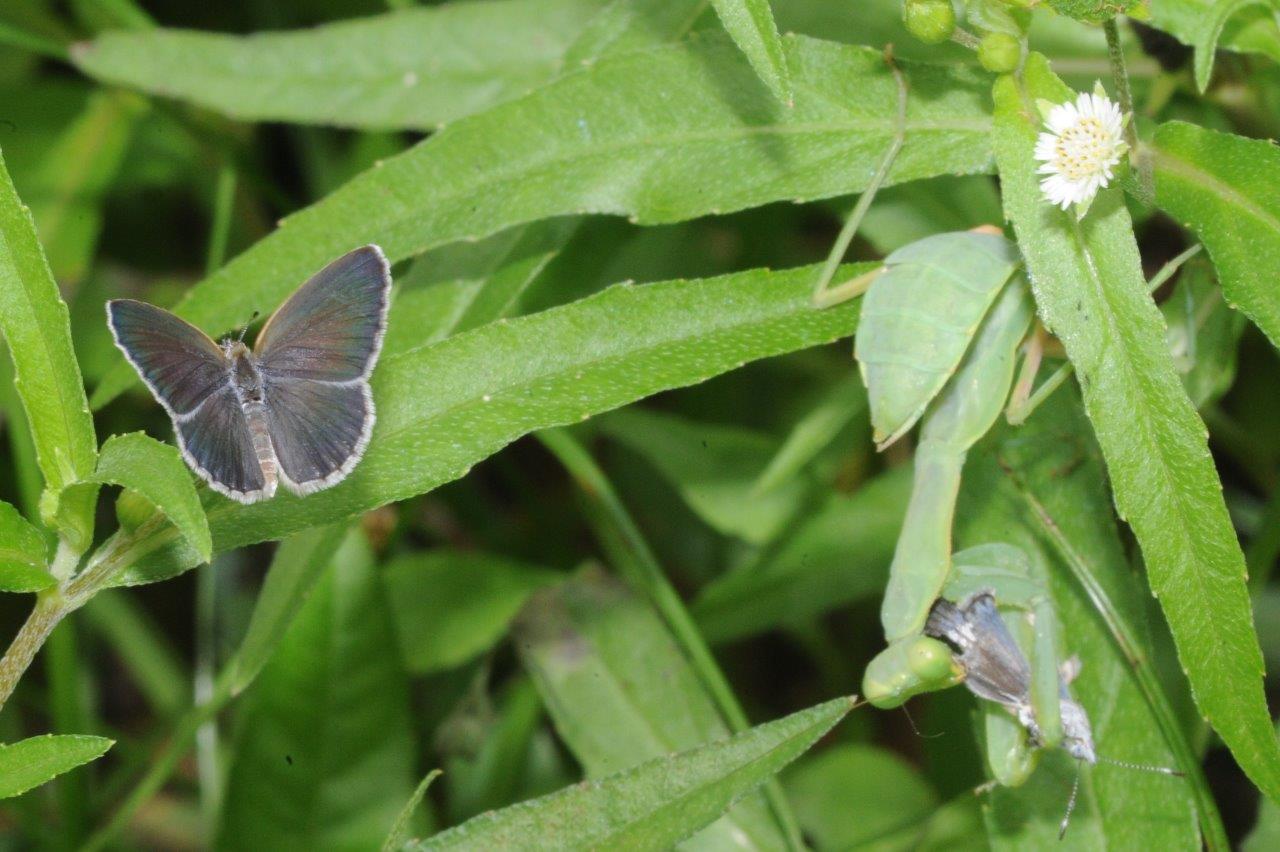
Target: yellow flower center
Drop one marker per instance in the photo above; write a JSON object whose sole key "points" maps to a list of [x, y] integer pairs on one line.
{"points": [[1083, 150]]}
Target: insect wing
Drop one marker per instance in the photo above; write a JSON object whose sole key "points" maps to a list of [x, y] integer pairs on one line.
{"points": [[187, 373], [995, 667], [331, 328], [315, 356]]}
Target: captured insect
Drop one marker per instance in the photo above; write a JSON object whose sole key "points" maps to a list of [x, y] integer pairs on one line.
{"points": [[297, 408]]}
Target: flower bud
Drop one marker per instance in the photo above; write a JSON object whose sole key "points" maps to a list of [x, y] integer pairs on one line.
{"points": [[931, 21], [999, 52]]}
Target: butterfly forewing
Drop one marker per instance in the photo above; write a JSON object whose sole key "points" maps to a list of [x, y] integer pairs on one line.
{"points": [[181, 365], [995, 667], [315, 355]]}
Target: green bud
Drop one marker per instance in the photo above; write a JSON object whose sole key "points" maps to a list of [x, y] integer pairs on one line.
{"points": [[931, 21], [999, 52]]}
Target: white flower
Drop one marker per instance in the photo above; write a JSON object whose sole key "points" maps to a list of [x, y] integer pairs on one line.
{"points": [[1085, 141]]}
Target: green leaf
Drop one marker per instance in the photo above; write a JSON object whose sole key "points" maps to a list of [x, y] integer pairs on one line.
{"points": [[326, 752], [24, 556], [400, 831], [36, 760], [621, 692], [407, 69], [444, 407], [750, 23], [1226, 24], [838, 554], [157, 472], [624, 25], [295, 569], [813, 433], [451, 605], [650, 134], [714, 467], [854, 794], [654, 805], [1088, 284], [1223, 187], [1056, 460], [34, 320], [1203, 334]]}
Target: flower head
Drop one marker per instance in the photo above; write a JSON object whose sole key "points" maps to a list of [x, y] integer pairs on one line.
{"points": [[1084, 142]]}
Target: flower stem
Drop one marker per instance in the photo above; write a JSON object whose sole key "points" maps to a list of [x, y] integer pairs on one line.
{"points": [[1120, 79], [50, 608]]}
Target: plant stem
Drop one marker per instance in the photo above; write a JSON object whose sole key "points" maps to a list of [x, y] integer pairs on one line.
{"points": [[224, 196], [50, 608], [631, 553], [1120, 79], [1215, 836]]}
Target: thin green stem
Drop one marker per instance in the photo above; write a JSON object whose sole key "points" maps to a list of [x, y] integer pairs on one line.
{"points": [[50, 609], [224, 196], [68, 714], [1125, 637], [823, 298], [633, 557], [1120, 79]]}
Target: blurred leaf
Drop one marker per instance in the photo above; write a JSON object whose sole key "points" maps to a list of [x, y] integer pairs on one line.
{"points": [[1251, 29], [912, 211], [1203, 334], [403, 827], [838, 554], [450, 606], [654, 805], [67, 190], [1090, 293], [814, 432], [714, 467], [750, 23], [853, 795], [325, 753], [406, 69], [34, 320], [1223, 187], [444, 407], [157, 472], [297, 566], [149, 656], [489, 774], [1266, 831], [653, 134], [24, 555], [621, 692], [34, 761]]}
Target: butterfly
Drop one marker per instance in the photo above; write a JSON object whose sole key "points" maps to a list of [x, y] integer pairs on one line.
{"points": [[296, 409]]}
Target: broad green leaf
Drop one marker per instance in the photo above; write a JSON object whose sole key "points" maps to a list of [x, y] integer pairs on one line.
{"points": [[650, 134], [1056, 460], [855, 794], [67, 189], [400, 832], [1223, 187], [296, 567], [1088, 284], [34, 320], [1248, 27], [451, 605], [24, 555], [444, 407], [325, 754], [814, 432], [750, 23], [157, 472], [714, 467], [407, 69], [623, 25], [34, 761], [654, 805], [836, 555], [621, 692]]}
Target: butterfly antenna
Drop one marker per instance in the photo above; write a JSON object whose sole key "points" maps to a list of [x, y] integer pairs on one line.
{"points": [[912, 722], [244, 329], [1071, 804], [1144, 767]]}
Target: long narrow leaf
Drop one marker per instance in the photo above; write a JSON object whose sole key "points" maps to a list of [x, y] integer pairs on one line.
{"points": [[750, 23], [31, 762]]}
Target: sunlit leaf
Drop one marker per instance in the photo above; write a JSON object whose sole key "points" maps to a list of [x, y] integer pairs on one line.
{"points": [[750, 23], [34, 761], [23, 554]]}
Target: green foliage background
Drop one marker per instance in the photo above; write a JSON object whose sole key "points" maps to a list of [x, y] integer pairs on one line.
{"points": [[621, 521]]}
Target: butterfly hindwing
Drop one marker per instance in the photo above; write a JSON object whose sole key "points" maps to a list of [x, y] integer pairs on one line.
{"points": [[216, 441], [319, 430]]}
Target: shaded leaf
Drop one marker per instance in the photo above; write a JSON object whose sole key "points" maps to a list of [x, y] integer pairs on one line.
{"points": [[451, 605], [655, 804], [325, 754], [649, 134], [410, 68], [621, 692], [24, 556], [1223, 187], [1201, 24], [34, 320], [1090, 293], [750, 24], [814, 432], [1203, 333], [31, 762]]}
